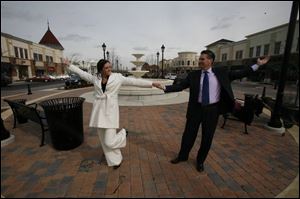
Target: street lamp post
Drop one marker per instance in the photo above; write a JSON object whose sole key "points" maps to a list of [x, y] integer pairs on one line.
{"points": [[162, 60], [117, 64], [157, 54], [297, 94], [275, 115], [104, 48], [107, 55]]}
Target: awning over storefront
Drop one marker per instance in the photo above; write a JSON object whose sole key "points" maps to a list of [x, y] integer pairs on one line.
{"points": [[52, 69], [39, 68], [22, 62], [4, 60]]}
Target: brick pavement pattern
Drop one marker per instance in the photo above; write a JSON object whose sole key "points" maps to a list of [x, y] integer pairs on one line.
{"points": [[260, 164]]}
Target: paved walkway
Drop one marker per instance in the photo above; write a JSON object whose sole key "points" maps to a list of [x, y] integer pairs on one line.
{"points": [[260, 164]]}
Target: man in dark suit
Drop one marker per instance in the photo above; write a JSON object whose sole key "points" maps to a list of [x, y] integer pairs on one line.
{"points": [[210, 95]]}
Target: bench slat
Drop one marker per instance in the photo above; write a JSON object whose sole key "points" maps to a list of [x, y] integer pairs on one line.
{"points": [[29, 112]]}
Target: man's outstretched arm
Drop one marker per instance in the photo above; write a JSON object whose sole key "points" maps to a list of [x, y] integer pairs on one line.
{"points": [[175, 88], [238, 74]]}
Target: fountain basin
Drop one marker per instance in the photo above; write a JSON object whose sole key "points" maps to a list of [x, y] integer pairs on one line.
{"points": [[136, 96], [138, 73], [132, 93]]}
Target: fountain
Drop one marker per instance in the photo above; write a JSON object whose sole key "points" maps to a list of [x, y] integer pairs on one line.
{"points": [[137, 96], [138, 73]]}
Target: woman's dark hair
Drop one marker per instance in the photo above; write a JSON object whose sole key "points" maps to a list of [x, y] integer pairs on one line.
{"points": [[101, 64], [209, 54]]}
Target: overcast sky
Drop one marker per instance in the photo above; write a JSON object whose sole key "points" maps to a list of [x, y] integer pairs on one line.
{"points": [[140, 27]]}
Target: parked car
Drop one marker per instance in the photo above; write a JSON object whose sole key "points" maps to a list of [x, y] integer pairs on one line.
{"points": [[179, 78], [44, 78], [62, 77], [74, 81], [59, 77], [171, 76]]}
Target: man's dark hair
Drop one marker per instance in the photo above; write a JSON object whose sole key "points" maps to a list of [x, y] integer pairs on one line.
{"points": [[209, 54], [101, 64]]}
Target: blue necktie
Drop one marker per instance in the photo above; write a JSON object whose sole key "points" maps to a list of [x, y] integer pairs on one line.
{"points": [[205, 89]]}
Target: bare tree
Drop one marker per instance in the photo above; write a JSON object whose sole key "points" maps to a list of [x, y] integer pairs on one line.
{"points": [[150, 59], [75, 58], [147, 59], [113, 57]]}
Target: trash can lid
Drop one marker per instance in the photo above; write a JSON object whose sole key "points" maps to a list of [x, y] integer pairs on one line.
{"points": [[64, 103]]}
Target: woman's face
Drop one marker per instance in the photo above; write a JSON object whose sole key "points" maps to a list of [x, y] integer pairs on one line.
{"points": [[106, 71]]}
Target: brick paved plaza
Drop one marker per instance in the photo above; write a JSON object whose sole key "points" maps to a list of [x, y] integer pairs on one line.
{"points": [[260, 164]]}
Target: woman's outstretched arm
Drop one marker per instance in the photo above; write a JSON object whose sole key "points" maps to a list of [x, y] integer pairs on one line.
{"points": [[83, 75]]}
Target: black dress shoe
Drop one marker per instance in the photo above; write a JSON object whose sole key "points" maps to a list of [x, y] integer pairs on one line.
{"points": [[117, 166], [200, 167], [177, 160]]}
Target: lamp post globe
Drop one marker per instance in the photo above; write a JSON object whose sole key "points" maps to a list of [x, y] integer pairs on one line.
{"points": [[107, 55], [104, 48]]}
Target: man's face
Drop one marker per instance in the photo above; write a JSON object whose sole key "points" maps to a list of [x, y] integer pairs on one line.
{"points": [[204, 62]]}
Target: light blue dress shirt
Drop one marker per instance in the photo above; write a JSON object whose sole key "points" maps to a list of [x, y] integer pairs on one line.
{"points": [[214, 85]]}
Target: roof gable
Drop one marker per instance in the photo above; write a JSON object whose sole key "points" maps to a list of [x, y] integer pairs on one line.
{"points": [[50, 40], [221, 41]]}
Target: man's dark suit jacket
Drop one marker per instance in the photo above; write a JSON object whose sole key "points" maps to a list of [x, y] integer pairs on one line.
{"points": [[224, 77]]}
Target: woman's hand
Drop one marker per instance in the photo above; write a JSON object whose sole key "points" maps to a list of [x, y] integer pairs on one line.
{"points": [[158, 85]]}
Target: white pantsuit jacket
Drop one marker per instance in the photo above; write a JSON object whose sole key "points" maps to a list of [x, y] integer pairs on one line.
{"points": [[105, 112]]}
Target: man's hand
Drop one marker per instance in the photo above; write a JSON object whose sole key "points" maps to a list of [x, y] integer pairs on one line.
{"points": [[262, 60], [157, 85]]}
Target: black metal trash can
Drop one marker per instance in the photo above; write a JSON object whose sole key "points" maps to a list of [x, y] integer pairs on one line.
{"points": [[21, 120], [65, 120]]}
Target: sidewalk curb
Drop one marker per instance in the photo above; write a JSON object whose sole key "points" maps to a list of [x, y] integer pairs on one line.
{"points": [[6, 114]]}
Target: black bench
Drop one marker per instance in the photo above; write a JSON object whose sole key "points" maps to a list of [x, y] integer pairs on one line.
{"points": [[23, 112], [245, 110]]}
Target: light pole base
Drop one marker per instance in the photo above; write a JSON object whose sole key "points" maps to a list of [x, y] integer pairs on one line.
{"points": [[280, 131], [8, 140], [29, 89]]}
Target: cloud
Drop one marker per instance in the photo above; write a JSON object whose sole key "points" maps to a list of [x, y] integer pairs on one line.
{"points": [[223, 19], [223, 23], [173, 48], [19, 14], [226, 22], [220, 26], [144, 48], [89, 25], [75, 37]]}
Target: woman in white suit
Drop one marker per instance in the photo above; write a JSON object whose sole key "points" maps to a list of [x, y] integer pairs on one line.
{"points": [[105, 112]]}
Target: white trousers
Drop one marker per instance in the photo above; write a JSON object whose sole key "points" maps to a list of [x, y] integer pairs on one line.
{"points": [[111, 142]]}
